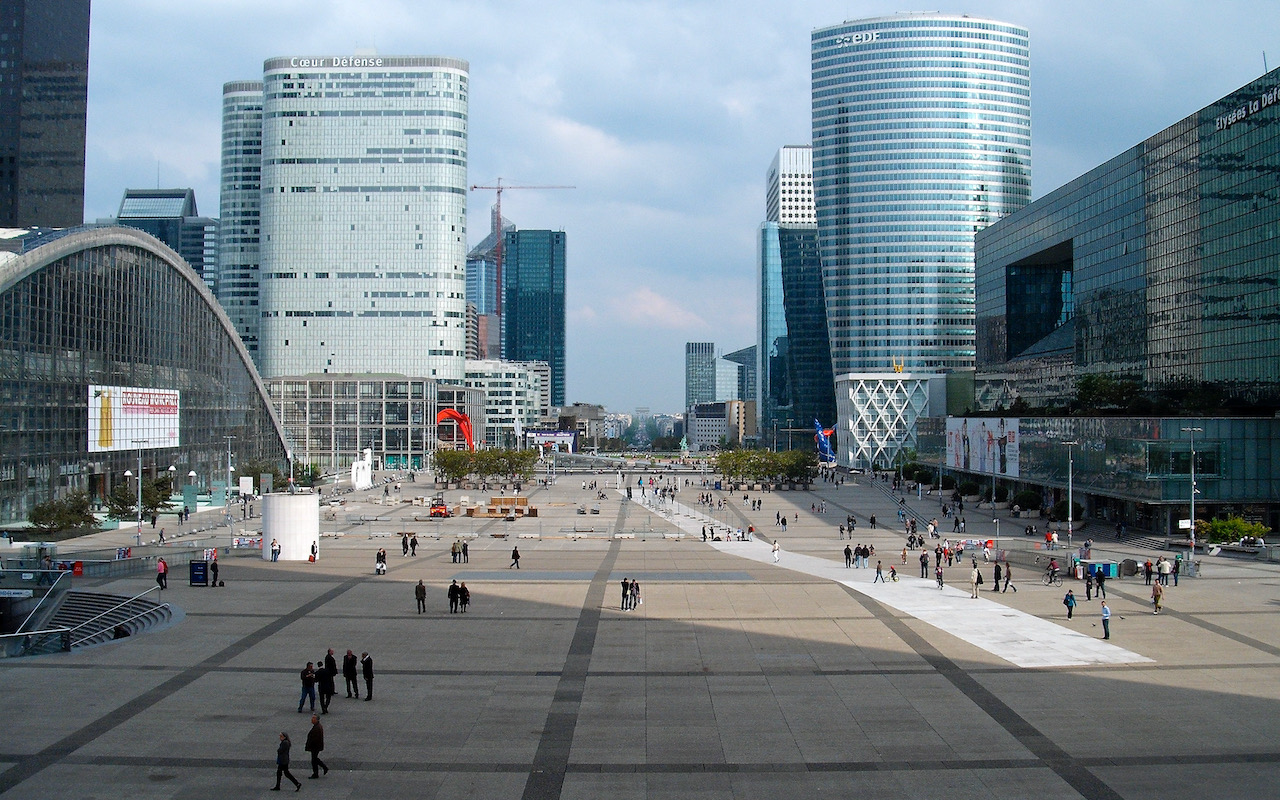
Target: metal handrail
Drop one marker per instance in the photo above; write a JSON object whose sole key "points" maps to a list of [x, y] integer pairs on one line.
{"points": [[61, 574], [113, 608], [121, 622]]}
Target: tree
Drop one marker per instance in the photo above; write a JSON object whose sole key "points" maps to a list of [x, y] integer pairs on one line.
{"points": [[1028, 500], [1059, 511], [70, 513], [1231, 529], [122, 502], [260, 466], [453, 465]]}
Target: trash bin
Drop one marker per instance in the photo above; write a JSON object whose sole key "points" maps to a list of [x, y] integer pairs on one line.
{"points": [[199, 573], [1128, 567]]}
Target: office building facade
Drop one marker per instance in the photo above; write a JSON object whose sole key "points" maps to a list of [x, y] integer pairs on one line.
{"points": [[921, 137], [364, 167], [747, 361], [512, 393], [118, 352], [44, 91], [533, 318], [1158, 270], [171, 216], [794, 354], [240, 209]]}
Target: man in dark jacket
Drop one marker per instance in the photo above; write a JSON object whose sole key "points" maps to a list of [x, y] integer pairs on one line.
{"points": [[453, 597], [324, 683], [315, 746], [420, 594], [308, 687], [349, 662], [366, 664]]}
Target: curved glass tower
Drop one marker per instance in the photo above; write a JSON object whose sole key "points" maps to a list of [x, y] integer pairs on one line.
{"points": [[921, 137]]}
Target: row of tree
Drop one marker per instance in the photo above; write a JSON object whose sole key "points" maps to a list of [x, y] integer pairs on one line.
{"points": [[793, 466], [454, 465]]}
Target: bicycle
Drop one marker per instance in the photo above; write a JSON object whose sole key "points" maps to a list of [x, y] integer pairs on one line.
{"points": [[1051, 579]]}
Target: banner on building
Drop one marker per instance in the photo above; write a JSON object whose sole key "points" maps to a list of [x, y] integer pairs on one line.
{"points": [[129, 417], [986, 445]]}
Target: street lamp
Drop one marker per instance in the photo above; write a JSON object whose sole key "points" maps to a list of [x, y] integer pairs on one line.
{"points": [[1194, 491], [1071, 511], [139, 443], [173, 478], [996, 520]]}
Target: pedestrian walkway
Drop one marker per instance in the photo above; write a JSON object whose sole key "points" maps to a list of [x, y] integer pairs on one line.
{"points": [[1017, 637]]}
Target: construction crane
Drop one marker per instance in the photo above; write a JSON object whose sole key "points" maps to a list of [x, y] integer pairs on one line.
{"points": [[497, 247]]}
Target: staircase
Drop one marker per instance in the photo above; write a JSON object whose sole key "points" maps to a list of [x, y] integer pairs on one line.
{"points": [[93, 617]]}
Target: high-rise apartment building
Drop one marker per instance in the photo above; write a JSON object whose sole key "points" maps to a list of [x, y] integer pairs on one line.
{"points": [[533, 322], [364, 181], [240, 212], [44, 90], [171, 216], [921, 137]]}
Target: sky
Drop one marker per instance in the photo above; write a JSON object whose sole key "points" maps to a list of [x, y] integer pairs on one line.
{"points": [[663, 115]]}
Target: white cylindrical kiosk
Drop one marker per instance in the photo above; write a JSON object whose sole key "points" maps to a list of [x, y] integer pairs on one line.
{"points": [[293, 522]]}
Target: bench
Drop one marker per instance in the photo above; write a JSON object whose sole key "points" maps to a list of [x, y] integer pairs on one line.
{"points": [[529, 536], [624, 536]]}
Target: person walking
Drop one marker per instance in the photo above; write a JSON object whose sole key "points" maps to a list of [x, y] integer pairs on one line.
{"points": [[1157, 594], [626, 594], [349, 662], [1008, 579], [404, 545], [308, 687], [413, 545], [324, 684], [515, 558], [937, 574], [366, 665], [1070, 602], [466, 555], [776, 551], [1177, 567], [464, 597], [315, 746], [1106, 621], [282, 764], [872, 521], [453, 598], [635, 593], [879, 574], [420, 594], [1088, 586], [848, 556], [1100, 580], [995, 587], [162, 574]]}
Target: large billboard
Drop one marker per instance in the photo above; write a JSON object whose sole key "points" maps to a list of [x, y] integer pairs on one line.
{"points": [[987, 445], [126, 417]]}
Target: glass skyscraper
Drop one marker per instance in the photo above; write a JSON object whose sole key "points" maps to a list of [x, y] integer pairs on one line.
{"points": [[240, 215], [171, 216], [364, 182], [44, 92], [921, 137], [533, 267], [794, 353]]}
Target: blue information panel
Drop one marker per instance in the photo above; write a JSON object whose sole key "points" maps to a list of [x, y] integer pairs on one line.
{"points": [[199, 573]]}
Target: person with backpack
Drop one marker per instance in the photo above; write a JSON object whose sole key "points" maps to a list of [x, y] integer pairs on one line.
{"points": [[1070, 602]]}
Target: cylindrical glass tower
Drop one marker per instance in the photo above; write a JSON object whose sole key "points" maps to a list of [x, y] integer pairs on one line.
{"points": [[921, 136]]}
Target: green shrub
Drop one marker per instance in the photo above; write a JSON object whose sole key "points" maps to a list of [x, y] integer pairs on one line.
{"points": [[948, 482], [1027, 500], [1002, 494], [968, 488], [1231, 529], [1059, 511]]}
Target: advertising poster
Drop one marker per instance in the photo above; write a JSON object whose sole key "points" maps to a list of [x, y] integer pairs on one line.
{"points": [[986, 445], [120, 417]]}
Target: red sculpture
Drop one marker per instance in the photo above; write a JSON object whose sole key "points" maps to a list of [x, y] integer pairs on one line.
{"points": [[463, 421]]}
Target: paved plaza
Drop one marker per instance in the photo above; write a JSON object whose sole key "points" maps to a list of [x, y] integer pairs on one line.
{"points": [[736, 677]]}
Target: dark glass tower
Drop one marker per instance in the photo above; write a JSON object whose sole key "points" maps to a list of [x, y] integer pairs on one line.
{"points": [[533, 266], [44, 89], [170, 215]]}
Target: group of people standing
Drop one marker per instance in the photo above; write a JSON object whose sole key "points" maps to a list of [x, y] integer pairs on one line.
{"points": [[630, 594], [857, 556], [318, 679]]}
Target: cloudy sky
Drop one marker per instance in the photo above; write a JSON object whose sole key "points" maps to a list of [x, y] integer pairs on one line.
{"points": [[664, 115]]}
